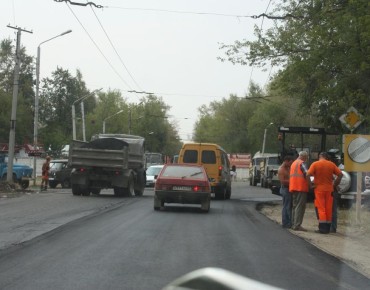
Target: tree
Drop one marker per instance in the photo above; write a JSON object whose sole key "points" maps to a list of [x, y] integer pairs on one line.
{"points": [[323, 49], [226, 122], [107, 105], [57, 95]]}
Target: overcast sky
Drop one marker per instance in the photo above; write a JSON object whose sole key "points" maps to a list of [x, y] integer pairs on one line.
{"points": [[167, 47]]}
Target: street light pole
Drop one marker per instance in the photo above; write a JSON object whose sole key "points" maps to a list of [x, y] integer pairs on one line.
{"points": [[83, 113], [36, 118], [109, 118], [264, 138]]}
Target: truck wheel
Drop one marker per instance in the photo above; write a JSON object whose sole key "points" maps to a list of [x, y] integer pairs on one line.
{"points": [[130, 189], [76, 189], [140, 183], [139, 192], [85, 192], [66, 183], [118, 191], [95, 191]]}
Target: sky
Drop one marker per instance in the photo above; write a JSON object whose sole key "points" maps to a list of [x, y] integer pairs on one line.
{"points": [[166, 47]]}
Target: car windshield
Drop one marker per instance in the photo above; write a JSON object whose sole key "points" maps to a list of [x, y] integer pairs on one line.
{"points": [[56, 165], [274, 161], [183, 171], [153, 170]]}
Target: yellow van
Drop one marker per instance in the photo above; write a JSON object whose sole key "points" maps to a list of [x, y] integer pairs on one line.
{"points": [[215, 161]]}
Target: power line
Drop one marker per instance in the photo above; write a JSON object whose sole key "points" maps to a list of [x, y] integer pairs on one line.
{"points": [[115, 50], [96, 45], [268, 5]]}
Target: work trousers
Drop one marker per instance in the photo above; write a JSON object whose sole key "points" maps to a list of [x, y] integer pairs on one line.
{"points": [[286, 213], [335, 212], [299, 200], [324, 209]]}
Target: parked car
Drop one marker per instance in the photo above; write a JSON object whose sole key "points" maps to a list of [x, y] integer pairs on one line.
{"points": [[151, 174], [182, 183], [60, 173]]}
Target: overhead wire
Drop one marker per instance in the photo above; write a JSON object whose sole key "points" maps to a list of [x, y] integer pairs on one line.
{"points": [[263, 16], [261, 26], [115, 50], [96, 45]]}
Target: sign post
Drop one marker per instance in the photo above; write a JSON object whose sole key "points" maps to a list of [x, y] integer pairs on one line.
{"points": [[357, 159]]}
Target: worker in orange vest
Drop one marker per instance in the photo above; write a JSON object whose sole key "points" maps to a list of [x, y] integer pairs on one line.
{"points": [[298, 187], [323, 172]]}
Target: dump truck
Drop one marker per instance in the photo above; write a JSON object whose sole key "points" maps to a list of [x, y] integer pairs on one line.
{"points": [[114, 161]]}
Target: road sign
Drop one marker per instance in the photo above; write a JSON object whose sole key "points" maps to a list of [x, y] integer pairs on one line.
{"points": [[351, 119], [357, 153]]}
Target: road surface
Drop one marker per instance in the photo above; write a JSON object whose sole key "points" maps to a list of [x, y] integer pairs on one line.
{"points": [[122, 243]]}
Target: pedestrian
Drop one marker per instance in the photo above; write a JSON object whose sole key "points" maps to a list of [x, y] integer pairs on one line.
{"points": [[323, 171], [45, 173], [283, 175], [298, 187], [233, 172], [334, 219]]}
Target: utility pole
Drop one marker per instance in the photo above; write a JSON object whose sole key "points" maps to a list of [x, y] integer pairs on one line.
{"points": [[13, 117]]}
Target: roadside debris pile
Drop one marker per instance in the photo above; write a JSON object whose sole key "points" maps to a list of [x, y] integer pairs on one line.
{"points": [[10, 189]]}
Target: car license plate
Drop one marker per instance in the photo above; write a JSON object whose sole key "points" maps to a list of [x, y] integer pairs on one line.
{"points": [[182, 188], [51, 178]]}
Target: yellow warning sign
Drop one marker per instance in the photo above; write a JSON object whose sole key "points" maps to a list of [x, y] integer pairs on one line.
{"points": [[351, 119]]}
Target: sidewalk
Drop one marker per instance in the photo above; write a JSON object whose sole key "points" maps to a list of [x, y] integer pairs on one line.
{"points": [[351, 242]]}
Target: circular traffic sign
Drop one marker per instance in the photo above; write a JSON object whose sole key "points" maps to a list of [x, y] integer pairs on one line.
{"points": [[359, 150]]}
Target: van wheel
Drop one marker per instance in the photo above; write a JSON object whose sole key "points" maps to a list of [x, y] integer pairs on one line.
{"points": [[220, 192], [228, 192]]}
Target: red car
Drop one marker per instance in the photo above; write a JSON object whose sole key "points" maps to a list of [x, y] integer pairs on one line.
{"points": [[182, 183]]}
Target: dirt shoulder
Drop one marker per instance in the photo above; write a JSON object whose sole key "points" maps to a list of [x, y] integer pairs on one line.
{"points": [[350, 243]]}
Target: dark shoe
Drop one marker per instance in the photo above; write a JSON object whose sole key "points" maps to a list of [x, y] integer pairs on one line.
{"points": [[319, 232], [300, 228]]}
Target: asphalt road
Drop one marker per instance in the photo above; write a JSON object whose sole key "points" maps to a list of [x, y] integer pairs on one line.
{"points": [[122, 243]]}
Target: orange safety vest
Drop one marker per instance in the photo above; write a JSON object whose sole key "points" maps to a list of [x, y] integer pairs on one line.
{"points": [[297, 180]]}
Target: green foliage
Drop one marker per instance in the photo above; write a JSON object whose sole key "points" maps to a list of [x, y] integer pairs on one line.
{"points": [[57, 95], [324, 51], [225, 122]]}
